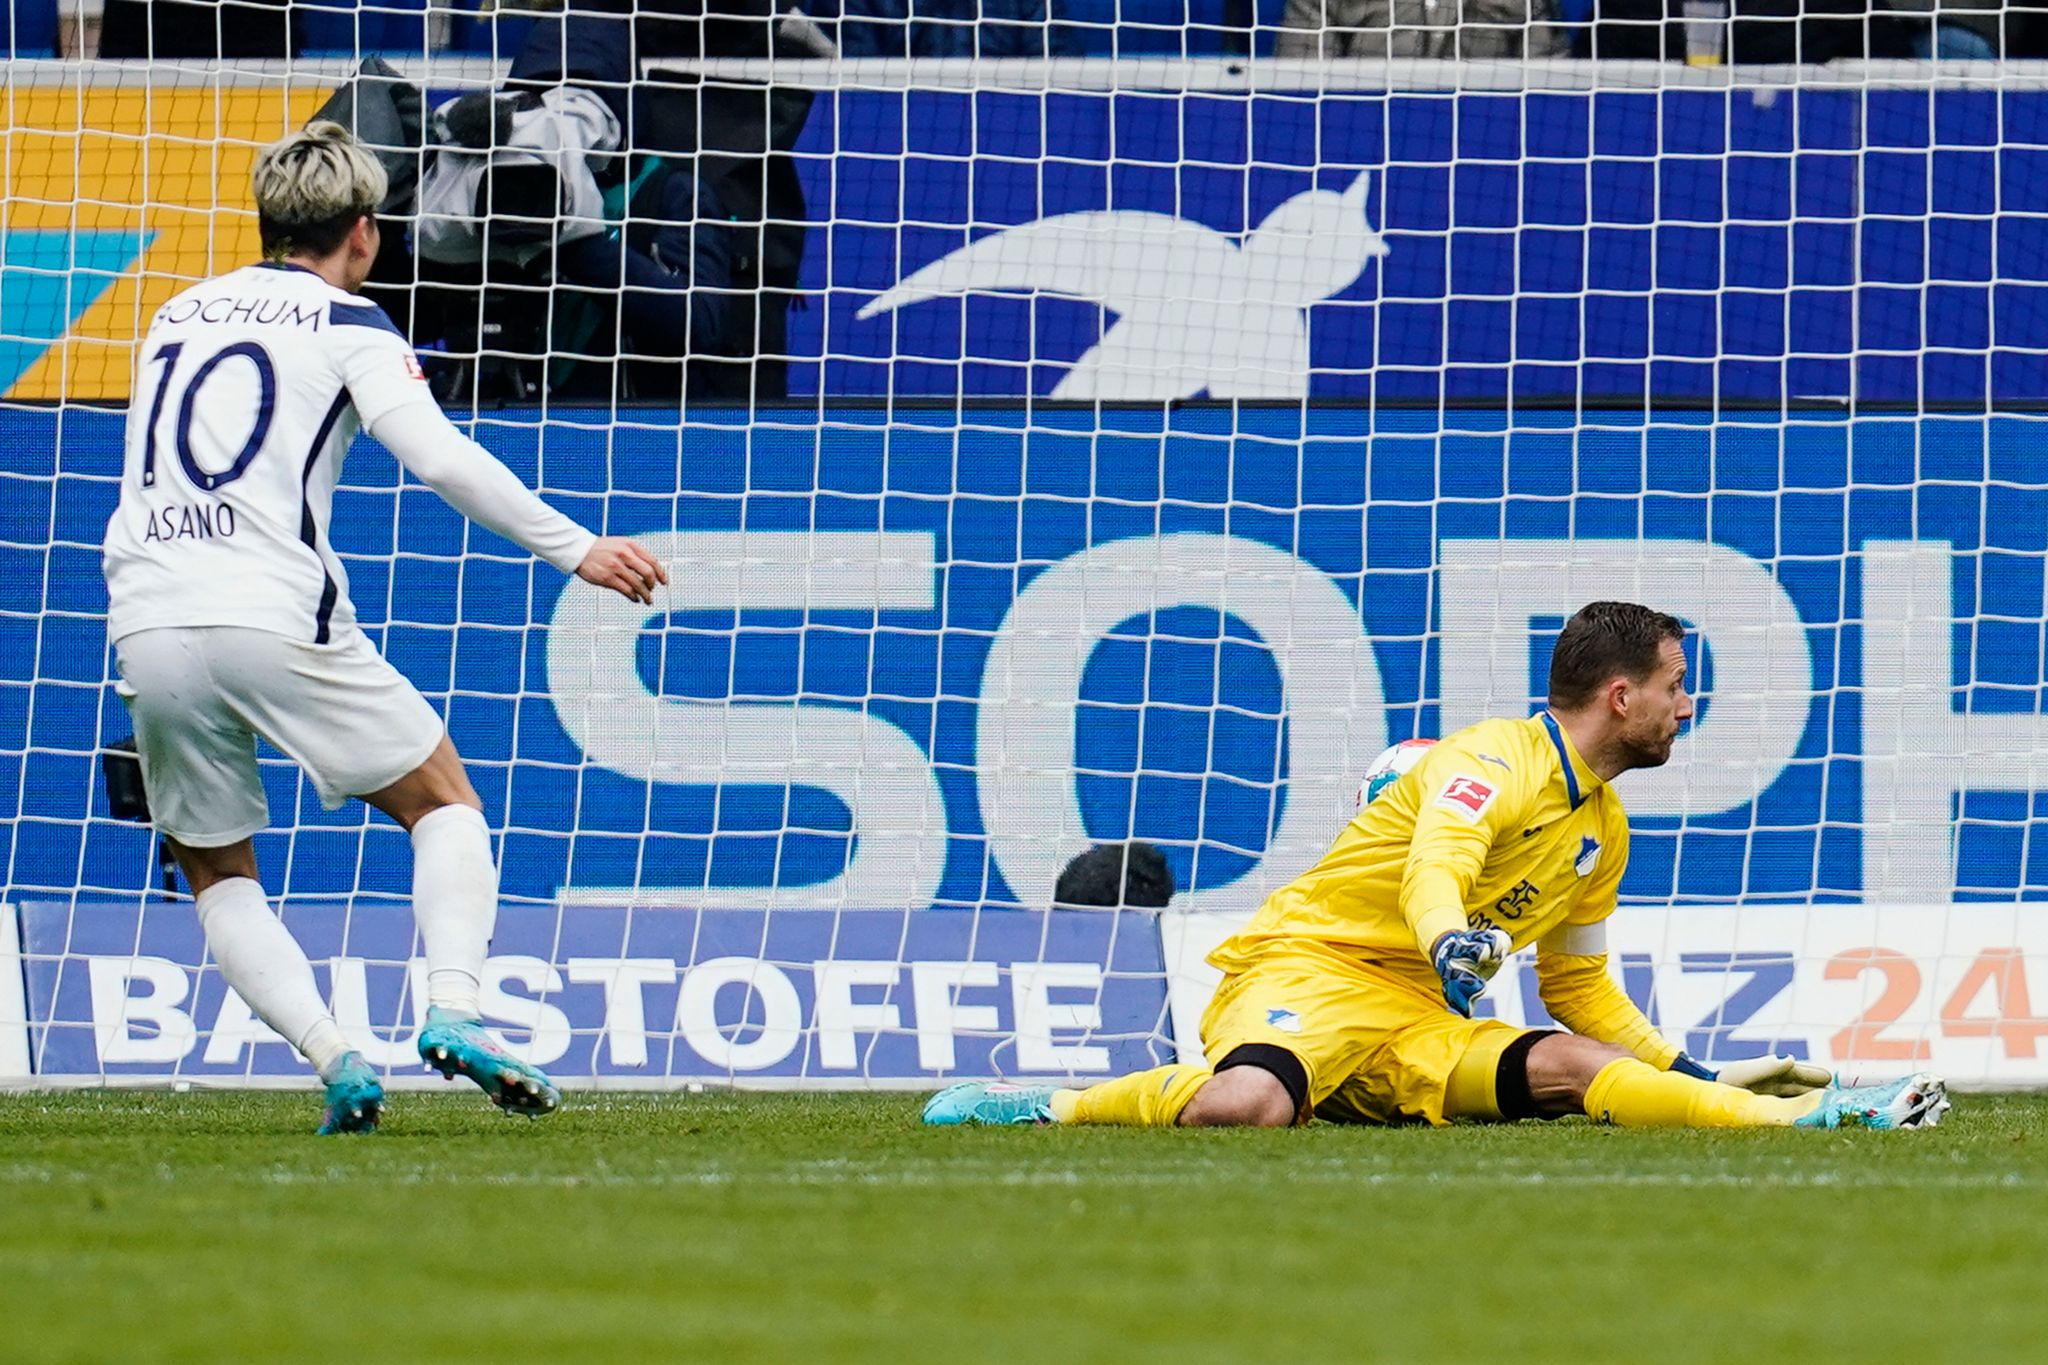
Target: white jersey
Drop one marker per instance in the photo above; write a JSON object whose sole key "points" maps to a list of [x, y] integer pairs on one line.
{"points": [[250, 388]]}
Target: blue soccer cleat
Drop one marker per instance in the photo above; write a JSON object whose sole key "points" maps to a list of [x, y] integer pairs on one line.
{"points": [[462, 1047], [1919, 1101], [355, 1099], [989, 1102]]}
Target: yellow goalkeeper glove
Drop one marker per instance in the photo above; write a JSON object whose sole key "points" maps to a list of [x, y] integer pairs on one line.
{"points": [[1784, 1077]]}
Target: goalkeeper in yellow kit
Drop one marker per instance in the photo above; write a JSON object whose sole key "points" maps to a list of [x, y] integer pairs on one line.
{"points": [[1349, 995]]}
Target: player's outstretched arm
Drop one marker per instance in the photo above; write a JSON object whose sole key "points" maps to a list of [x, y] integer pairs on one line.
{"points": [[1578, 991], [476, 484], [479, 486], [1581, 995]]}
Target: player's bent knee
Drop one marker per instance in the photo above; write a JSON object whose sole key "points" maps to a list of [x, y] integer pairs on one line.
{"points": [[1255, 1086], [1556, 1069], [440, 781], [1247, 1098]]}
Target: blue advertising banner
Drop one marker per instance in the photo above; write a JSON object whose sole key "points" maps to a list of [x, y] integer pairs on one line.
{"points": [[1882, 245], [914, 659], [117, 989]]}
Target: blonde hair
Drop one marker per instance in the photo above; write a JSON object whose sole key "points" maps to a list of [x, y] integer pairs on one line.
{"points": [[312, 187]]}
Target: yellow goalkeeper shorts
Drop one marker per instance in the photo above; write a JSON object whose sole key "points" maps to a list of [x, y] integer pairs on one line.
{"points": [[1378, 1048]]}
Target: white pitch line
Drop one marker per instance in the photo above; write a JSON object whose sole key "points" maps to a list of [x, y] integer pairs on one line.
{"points": [[955, 1176]]}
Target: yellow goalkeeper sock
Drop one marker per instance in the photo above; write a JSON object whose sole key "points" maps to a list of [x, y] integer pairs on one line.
{"points": [[1145, 1099], [1633, 1094]]}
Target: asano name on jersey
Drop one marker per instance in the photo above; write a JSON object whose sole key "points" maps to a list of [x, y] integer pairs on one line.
{"points": [[249, 389]]}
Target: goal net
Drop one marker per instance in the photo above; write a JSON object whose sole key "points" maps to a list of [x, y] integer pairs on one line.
{"points": [[1060, 452]]}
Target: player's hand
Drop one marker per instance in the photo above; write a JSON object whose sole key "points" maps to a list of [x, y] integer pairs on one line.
{"points": [[1785, 1077], [623, 566], [1465, 961]]}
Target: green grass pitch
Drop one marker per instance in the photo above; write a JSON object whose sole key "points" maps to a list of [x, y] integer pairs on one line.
{"points": [[748, 1227]]}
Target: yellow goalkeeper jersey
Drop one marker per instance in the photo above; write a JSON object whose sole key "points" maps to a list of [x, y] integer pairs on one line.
{"points": [[1501, 825]]}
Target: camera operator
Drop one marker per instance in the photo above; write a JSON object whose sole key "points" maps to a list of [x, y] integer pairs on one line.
{"points": [[706, 264]]}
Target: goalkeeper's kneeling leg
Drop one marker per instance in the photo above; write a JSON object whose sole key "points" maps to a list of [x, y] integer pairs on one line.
{"points": [[1256, 1086], [1558, 1068], [1540, 1074], [1549, 1075], [1631, 1093]]}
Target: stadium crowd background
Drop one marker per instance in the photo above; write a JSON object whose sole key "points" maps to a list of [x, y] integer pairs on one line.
{"points": [[691, 301], [1761, 30]]}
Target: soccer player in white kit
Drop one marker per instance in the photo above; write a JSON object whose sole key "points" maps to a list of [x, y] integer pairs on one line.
{"points": [[230, 615]]}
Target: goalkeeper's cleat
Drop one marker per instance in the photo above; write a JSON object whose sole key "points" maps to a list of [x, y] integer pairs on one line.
{"points": [[455, 1047], [989, 1102], [1919, 1101], [355, 1099]]}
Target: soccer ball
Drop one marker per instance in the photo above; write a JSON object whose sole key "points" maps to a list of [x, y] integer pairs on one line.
{"points": [[1386, 770]]}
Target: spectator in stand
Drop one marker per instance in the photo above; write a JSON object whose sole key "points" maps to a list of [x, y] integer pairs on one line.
{"points": [[204, 30], [1957, 29], [1472, 30], [708, 263], [1785, 32], [943, 28]]}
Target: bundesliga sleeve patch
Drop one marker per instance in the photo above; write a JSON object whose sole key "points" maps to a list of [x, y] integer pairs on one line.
{"points": [[412, 368], [1466, 796]]}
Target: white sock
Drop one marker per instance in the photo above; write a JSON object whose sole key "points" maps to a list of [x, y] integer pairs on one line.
{"points": [[455, 902], [266, 967]]}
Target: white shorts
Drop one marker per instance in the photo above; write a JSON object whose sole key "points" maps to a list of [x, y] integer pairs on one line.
{"points": [[199, 696]]}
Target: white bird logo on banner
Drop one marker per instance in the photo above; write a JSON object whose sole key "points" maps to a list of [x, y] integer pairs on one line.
{"points": [[1196, 310]]}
